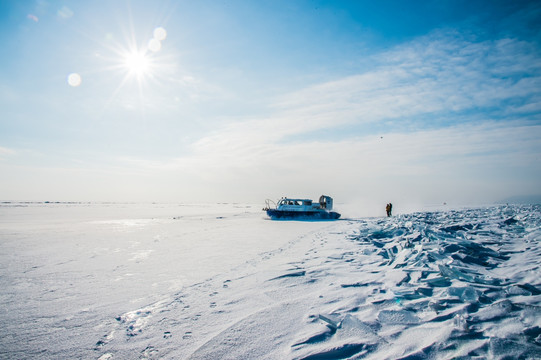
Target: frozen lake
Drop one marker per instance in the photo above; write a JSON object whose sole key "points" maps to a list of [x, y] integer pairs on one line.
{"points": [[110, 281], [66, 269]]}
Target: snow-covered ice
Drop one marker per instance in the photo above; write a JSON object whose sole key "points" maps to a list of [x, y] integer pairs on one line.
{"points": [[124, 281]]}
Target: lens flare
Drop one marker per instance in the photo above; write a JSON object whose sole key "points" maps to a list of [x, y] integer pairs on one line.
{"points": [[74, 79], [160, 34]]}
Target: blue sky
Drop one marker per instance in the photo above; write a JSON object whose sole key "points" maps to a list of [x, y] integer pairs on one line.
{"points": [[417, 102]]}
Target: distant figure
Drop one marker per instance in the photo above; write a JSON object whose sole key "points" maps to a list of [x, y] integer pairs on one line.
{"points": [[389, 209]]}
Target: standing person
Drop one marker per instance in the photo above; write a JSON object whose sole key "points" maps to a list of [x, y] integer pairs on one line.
{"points": [[388, 209]]}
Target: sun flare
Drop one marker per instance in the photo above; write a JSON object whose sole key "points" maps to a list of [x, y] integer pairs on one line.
{"points": [[137, 63]]}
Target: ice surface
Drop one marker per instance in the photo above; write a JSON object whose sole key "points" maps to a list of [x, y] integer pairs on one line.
{"points": [[118, 281]]}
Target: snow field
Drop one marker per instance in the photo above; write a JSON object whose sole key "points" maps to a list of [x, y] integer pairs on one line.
{"points": [[222, 282]]}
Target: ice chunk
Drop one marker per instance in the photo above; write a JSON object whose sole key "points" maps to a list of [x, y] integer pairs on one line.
{"points": [[378, 244], [424, 291], [530, 288], [331, 320], [467, 293], [401, 257], [510, 221], [407, 294], [454, 273], [438, 281], [494, 311], [397, 317], [350, 326], [515, 290], [457, 228]]}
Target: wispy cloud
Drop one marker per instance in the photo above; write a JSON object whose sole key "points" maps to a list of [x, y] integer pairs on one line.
{"points": [[441, 76], [441, 72], [490, 89]]}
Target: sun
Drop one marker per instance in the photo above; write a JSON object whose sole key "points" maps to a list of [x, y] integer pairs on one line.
{"points": [[137, 63]]}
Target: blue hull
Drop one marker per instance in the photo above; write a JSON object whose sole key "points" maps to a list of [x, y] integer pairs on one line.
{"points": [[302, 215]]}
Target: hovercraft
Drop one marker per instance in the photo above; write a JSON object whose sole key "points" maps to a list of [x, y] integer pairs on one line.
{"points": [[289, 208]]}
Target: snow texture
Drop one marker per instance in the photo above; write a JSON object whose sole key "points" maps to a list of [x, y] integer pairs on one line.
{"points": [[113, 281]]}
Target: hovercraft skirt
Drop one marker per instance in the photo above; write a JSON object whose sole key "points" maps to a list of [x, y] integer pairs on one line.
{"points": [[302, 215]]}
